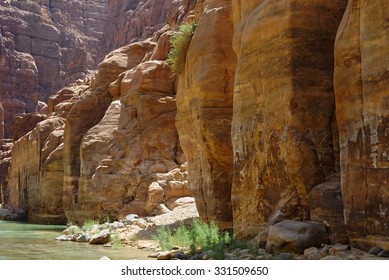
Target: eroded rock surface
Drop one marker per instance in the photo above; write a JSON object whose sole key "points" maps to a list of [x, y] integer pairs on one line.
{"points": [[283, 108], [131, 161], [43, 46], [30, 165], [361, 84], [204, 115]]}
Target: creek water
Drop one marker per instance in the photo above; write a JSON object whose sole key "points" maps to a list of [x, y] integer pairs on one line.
{"points": [[23, 241]]}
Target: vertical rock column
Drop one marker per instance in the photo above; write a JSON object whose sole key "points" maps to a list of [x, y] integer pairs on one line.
{"points": [[283, 108], [362, 109], [204, 101]]}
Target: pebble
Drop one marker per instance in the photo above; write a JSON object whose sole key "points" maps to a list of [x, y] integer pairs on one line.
{"points": [[209, 254], [180, 256], [243, 251], [375, 250], [338, 248], [141, 224], [116, 225], [329, 257], [313, 253], [384, 254], [196, 257], [64, 237], [154, 255], [230, 256], [284, 256], [71, 230], [83, 238], [246, 257], [164, 256]]}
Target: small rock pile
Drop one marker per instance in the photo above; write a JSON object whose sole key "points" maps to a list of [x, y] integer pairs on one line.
{"points": [[103, 233]]}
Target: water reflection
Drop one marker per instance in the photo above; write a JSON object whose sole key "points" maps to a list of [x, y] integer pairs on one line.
{"points": [[23, 241]]}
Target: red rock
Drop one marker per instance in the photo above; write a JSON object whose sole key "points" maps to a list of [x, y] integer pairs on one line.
{"points": [[25, 123]]}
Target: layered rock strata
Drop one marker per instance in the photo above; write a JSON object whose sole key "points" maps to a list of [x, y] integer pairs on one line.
{"points": [[148, 18], [283, 108], [44, 45], [204, 99], [18, 83], [361, 84]]}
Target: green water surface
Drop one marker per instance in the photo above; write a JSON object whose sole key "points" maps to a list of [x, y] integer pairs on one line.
{"points": [[23, 241]]}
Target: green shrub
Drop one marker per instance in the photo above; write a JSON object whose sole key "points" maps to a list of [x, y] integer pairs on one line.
{"points": [[180, 44], [88, 224], [199, 235], [116, 241]]}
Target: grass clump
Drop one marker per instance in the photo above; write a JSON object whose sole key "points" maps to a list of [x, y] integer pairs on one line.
{"points": [[199, 235], [88, 224], [117, 241], [180, 44]]}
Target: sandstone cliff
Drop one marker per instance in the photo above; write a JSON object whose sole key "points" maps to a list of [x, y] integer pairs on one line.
{"points": [[204, 99], [44, 45], [255, 127], [109, 146], [361, 84]]}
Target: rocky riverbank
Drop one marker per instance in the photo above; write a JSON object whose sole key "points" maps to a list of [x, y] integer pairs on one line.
{"points": [[140, 233]]}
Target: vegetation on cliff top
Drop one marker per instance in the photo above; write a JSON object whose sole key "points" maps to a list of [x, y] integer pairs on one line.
{"points": [[180, 44]]}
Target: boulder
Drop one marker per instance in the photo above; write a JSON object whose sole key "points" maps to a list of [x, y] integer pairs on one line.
{"points": [[326, 206], [296, 236], [100, 238]]}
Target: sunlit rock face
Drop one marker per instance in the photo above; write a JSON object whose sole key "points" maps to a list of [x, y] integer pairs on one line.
{"points": [[361, 86], [204, 100], [283, 111]]}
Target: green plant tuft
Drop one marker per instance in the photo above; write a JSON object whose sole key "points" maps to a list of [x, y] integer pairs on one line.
{"points": [[88, 224], [180, 43], [199, 235], [116, 241]]}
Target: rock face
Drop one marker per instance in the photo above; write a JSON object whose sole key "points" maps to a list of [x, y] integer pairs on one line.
{"points": [[361, 85], [283, 108], [5, 159], [1, 122], [109, 145], [147, 18], [204, 99], [44, 45], [130, 161], [249, 128], [25, 123], [32, 159], [19, 82]]}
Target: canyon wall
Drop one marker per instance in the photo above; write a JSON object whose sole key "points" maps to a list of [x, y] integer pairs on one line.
{"points": [[204, 99], [43, 46], [108, 146], [283, 108], [256, 128], [361, 84]]}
